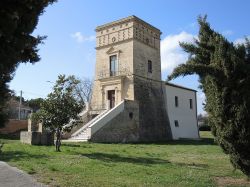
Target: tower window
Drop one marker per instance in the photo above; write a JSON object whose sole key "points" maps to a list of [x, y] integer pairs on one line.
{"points": [[191, 103], [149, 66], [113, 65], [176, 101], [176, 123]]}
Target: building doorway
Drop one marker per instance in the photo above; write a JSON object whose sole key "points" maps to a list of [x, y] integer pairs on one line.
{"points": [[111, 98]]}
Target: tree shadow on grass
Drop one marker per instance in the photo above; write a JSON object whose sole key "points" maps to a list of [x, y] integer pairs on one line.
{"points": [[140, 160], [192, 165], [202, 141], [71, 145], [9, 136], [117, 158], [19, 155], [183, 141]]}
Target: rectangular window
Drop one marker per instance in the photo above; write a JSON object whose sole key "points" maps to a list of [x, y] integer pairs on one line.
{"points": [[176, 123], [176, 101], [149, 66], [191, 103], [113, 66]]}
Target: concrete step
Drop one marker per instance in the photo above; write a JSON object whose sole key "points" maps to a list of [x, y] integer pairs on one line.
{"points": [[83, 133], [80, 137], [74, 140]]}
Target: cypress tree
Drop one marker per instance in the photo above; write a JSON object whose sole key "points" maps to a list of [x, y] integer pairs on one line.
{"points": [[224, 75], [18, 19]]}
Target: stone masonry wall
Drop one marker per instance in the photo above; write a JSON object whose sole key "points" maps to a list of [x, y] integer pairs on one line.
{"points": [[124, 52], [148, 90], [123, 128], [153, 119], [142, 53]]}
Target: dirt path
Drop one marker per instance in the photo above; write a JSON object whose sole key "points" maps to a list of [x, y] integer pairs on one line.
{"points": [[228, 181], [13, 177]]}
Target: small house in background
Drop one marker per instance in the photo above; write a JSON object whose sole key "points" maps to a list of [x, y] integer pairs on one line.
{"points": [[14, 107], [17, 118], [130, 102]]}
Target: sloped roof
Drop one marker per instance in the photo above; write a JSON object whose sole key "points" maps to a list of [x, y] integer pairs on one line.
{"points": [[178, 86]]}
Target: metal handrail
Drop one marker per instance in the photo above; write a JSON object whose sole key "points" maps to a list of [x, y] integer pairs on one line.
{"points": [[107, 73], [88, 124], [94, 107]]}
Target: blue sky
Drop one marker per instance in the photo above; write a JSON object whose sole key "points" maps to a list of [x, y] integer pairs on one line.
{"points": [[70, 46]]}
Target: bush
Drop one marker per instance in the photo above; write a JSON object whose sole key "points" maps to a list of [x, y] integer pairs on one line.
{"points": [[204, 127]]}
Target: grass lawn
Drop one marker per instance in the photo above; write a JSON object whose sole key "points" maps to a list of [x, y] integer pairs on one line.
{"points": [[177, 163]]}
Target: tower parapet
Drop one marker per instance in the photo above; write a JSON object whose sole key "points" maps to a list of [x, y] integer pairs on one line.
{"points": [[125, 29]]}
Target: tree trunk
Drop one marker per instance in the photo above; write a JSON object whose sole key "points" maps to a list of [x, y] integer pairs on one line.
{"points": [[58, 140]]}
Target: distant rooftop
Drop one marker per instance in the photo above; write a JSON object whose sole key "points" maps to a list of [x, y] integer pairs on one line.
{"points": [[124, 20]]}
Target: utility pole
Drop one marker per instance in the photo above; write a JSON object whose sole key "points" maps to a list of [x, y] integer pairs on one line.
{"points": [[20, 103]]}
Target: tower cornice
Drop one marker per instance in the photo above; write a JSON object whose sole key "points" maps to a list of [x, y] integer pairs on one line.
{"points": [[126, 20]]}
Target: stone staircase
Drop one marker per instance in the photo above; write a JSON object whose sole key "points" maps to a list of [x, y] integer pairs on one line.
{"points": [[75, 125], [85, 132], [82, 134]]}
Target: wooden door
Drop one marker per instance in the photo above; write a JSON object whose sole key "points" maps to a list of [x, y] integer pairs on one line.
{"points": [[111, 98]]}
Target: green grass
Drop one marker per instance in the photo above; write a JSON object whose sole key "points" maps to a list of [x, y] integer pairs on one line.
{"points": [[177, 163]]}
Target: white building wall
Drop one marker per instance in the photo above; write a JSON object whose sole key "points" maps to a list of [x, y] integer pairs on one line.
{"points": [[187, 117]]}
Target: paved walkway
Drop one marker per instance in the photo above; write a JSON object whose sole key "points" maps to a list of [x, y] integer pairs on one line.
{"points": [[13, 177]]}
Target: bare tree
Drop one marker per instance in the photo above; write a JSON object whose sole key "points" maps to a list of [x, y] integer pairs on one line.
{"points": [[83, 90]]}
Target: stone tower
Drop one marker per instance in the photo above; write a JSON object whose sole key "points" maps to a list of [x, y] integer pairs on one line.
{"points": [[128, 67]]}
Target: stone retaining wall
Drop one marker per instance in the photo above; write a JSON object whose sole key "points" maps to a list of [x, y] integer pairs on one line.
{"points": [[122, 128]]}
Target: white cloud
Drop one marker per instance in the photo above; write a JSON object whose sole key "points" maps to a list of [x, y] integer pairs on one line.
{"points": [[171, 52], [241, 40], [190, 27], [79, 37], [227, 32], [202, 96], [193, 25]]}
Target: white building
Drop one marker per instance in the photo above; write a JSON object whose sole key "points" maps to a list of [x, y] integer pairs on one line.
{"points": [[181, 106]]}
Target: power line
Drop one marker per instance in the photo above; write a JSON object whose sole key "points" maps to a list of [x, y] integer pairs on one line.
{"points": [[30, 93]]}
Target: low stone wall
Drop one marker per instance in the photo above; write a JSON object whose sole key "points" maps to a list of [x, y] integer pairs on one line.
{"points": [[13, 126], [122, 128], [37, 138]]}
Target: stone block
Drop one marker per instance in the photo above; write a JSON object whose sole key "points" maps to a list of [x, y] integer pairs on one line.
{"points": [[36, 138], [47, 138]]}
